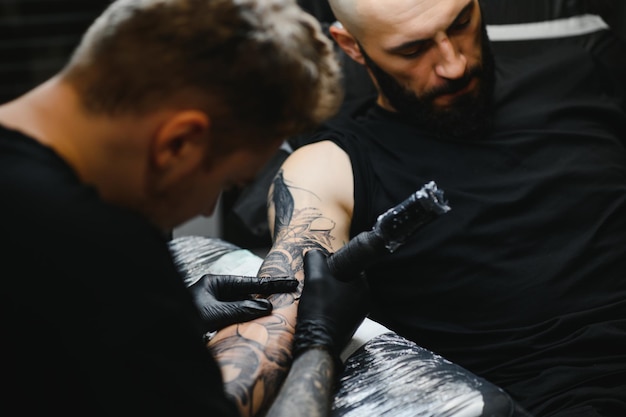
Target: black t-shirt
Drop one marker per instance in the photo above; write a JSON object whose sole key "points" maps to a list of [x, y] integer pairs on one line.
{"points": [[524, 281], [96, 319]]}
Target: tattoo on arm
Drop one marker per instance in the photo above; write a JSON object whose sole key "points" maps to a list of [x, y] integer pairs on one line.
{"points": [[282, 200], [255, 356]]}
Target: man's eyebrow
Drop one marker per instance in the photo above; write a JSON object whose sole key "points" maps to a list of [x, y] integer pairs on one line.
{"points": [[421, 42], [408, 45], [467, 9]]}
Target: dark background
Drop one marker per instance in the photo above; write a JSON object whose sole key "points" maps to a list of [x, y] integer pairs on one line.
{"points": [[36, 38]]}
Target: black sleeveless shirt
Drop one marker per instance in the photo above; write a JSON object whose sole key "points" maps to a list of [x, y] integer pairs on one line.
{"points": [[524, 281]]}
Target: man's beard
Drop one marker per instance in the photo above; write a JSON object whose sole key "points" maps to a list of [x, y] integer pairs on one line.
{"points": [[467, 116]]}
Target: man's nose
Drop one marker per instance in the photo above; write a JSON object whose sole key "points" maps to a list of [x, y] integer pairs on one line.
{"points": [[451, 63]]}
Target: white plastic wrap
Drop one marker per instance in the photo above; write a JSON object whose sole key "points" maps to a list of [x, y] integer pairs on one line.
{"points": [[385, 374]]}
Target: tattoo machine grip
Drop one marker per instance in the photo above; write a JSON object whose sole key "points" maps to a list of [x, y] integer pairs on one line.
{"points": [[391, 230]]}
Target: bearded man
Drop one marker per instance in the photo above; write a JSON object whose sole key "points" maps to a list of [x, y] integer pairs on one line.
{"points": [[522, 282]]}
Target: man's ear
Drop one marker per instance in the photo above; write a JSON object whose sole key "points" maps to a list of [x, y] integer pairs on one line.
{"points": [[181, 143], [346, 42]]}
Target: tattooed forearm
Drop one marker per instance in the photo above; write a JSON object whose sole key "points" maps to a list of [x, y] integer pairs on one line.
{"points": [[255, 356], [307, 391]]}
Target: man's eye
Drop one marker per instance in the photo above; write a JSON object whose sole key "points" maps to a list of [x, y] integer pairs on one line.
{"points": [[462, 23], [413, 52]]}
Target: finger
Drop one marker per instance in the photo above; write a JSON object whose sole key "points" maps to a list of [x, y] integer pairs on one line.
{"points": [[272, 285], [246, 310], [315, 264], [237, 286]]}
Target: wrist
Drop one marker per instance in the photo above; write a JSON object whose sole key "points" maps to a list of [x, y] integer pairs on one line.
{"points": [[311, 334]]}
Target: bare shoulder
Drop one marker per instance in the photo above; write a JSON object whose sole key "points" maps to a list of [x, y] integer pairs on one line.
{"points": [[317, 178], [321, 164], [321, 147]]}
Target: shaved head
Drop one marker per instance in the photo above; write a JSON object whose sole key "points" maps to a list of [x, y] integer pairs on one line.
{"points": [[355, 15], [347, 12], [368, 17]]}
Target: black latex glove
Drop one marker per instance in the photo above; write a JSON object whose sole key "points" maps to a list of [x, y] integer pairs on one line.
{"points": [[226, 299], [330, 310]]}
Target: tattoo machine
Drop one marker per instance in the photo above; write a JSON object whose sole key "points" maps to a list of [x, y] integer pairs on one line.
{"points": [[391, 230]]}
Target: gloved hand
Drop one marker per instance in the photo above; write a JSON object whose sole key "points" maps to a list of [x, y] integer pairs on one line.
{"points": [[226, 299], [330, 310]]}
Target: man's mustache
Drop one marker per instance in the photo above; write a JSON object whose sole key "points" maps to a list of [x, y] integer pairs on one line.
{"points": [[454, 86]]}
